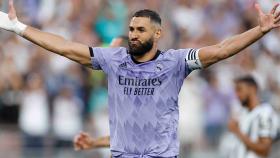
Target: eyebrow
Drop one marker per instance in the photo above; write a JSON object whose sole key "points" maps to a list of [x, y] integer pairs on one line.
{"points": [[138, 28]]}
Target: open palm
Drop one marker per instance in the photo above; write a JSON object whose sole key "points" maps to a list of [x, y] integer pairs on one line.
{"points": [[268, 21]]}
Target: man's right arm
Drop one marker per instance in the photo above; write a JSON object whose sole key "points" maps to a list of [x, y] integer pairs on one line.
{"points": [[71, 50], [83, 141]]}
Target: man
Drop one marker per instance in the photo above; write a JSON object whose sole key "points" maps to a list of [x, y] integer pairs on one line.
{"points": [[143, 82], [258, 125]]}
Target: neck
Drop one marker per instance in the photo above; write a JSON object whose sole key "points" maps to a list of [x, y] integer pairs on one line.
{"points": [[148, 56], [253, 102]]}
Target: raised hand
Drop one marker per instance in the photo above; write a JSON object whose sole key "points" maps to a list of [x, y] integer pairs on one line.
{"points": [[10, 22], [268, 21], [83, 141]]}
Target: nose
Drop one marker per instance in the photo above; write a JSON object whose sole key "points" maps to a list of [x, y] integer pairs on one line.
{"points": [[134, 35]]}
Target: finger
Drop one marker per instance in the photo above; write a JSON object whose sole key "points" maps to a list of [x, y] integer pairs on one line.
{"points": [[81, 140], [85, 135], [276, 25], [76, 147], [77, 142], [277, 20], [11, 5], [274, 8], [79, 145], [12, 11], [258, 8], [76, 138], [277, 15]]}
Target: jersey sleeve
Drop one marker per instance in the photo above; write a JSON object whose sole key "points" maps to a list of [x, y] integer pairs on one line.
{"points": [[189, 60], [268, 126], [101, 57], [98, 57]]}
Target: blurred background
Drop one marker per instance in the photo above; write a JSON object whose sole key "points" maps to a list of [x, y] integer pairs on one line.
{"points": [[45, 99]]}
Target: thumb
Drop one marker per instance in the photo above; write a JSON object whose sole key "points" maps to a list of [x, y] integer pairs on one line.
{"points": [[12, 12], [258, 8]]}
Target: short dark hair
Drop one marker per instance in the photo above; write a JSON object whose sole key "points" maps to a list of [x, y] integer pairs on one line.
{"points": [[248, 79], [154, 16]]}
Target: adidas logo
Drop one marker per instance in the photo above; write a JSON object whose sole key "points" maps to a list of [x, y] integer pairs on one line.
{"points": [[123, 65]]}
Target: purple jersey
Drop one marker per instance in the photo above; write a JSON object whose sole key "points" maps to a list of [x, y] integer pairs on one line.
{"points": [[143, 100]]}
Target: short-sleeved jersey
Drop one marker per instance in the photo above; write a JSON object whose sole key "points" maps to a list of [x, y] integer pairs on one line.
{"points": [[261, 122], [143, 99]]}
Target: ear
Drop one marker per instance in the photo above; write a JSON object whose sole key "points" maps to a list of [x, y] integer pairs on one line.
{"points": [[158, 33]]}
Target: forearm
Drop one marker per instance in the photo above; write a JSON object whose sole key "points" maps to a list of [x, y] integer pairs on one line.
{"points": [[229, 47], [45, 40], [235, 44], [59, 45], [102, 142], [257, 147]]}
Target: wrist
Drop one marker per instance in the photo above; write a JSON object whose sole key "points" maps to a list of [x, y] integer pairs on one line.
{"points": [[19, 27], [238, 133], [263, 30], [92, 143]]}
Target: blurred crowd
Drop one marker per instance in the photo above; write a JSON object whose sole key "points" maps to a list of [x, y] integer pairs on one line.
{"points": [[45, 99]]}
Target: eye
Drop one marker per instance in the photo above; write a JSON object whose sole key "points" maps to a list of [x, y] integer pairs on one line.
{"points": [[131, 29], [141, 29]]}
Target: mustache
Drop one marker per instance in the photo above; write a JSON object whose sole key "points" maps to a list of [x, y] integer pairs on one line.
{"points": [[134, 39]]}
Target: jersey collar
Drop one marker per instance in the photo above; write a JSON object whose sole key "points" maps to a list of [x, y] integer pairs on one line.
{"points": [[154, 58]]}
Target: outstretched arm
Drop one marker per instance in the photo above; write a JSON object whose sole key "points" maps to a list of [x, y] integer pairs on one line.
{"points": [[231, 46], [74, 51]]}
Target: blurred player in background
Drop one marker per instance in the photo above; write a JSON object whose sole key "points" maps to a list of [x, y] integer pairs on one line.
{"points": [[121, 41], [256, 127], [143, 81]]}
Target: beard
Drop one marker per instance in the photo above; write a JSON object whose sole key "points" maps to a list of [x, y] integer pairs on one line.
{"points": [[141, 48], [245, 102]]}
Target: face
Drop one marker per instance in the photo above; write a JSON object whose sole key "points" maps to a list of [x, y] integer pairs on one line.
{"points": [[142, 35], [243, 92]]}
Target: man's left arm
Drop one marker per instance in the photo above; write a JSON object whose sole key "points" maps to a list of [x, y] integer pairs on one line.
{"points": [[231, 46]]}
